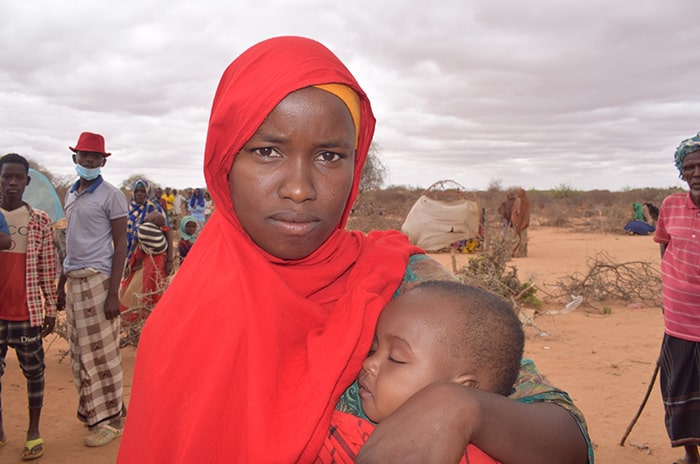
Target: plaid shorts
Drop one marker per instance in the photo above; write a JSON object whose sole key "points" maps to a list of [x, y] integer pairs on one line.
{"points": [[27, 343]]}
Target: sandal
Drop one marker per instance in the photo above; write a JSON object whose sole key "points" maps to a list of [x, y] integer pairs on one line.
{"points": [[102, 435], [33, 449]]}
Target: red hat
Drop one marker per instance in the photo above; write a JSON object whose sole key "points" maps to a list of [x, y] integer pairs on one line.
{"points": [[94, 143]]}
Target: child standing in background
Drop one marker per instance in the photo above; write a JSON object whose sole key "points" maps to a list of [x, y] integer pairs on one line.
{"points": [[188, 229]]}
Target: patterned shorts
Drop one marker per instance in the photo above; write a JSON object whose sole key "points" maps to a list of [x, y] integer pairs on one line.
{"points": [[27, 343]]}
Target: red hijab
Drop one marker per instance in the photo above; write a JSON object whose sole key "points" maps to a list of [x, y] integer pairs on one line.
{"points": [[246, 355]]}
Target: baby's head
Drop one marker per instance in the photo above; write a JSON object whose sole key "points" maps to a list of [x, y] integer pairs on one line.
{"points": [[154, 217], [440, 331]]}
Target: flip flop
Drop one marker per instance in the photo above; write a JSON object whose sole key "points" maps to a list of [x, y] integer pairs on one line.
{"points": [[3, 442], [33, 449]]}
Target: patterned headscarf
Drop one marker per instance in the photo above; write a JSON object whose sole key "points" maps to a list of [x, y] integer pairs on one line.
{"points": [[687, 146], [137, 215]]}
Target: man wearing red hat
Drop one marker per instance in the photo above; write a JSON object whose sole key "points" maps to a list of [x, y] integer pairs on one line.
{"points": [[95, 253]]}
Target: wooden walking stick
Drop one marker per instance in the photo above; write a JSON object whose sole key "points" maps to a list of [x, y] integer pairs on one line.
{"points": [[644, 402]]}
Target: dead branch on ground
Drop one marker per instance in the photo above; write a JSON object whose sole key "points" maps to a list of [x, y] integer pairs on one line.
{"points": [[632, 281]]}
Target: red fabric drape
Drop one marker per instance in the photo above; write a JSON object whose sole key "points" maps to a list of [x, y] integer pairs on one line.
{"points": [[246, 354]]}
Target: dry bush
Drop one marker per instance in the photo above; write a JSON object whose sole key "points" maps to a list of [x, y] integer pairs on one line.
{"points": [[605, 280], [490, 270]]}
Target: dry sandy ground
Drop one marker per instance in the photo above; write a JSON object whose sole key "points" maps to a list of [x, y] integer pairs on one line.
{"points": [[605, 362]]}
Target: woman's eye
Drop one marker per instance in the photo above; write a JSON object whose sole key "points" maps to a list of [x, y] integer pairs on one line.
{"points": [[394, 360], [265, 151], [329, 156]]}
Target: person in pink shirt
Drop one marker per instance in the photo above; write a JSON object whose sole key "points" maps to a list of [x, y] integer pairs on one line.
{"points": [[678, 234]]}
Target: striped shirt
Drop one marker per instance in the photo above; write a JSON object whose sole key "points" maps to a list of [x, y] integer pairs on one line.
{"points": [[40, 267], [678, 228]]}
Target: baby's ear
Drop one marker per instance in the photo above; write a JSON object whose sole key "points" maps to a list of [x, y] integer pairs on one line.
{"points": [[468, 380]]}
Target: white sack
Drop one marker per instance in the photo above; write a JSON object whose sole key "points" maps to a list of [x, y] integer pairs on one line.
{"points": [[433, 224]]}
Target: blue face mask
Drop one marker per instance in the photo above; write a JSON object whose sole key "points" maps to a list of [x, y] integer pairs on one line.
{"points": [[87, 174]]}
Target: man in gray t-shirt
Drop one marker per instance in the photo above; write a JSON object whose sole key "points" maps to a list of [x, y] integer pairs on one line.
{"points": [[95, 251]]}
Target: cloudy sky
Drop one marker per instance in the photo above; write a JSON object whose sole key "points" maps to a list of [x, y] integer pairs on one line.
{"points": [[589, 94]]}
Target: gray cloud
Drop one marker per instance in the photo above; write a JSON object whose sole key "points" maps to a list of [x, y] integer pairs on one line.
{"points": [[592, 94]]}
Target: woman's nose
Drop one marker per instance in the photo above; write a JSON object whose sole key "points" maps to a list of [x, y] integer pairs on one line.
{"points": [[298, 181]]}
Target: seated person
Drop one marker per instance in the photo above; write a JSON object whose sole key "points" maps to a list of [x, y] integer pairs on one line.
{"points": [[437, 331]]}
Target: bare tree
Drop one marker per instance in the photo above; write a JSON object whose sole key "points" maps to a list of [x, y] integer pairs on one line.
{"points": [[374, 171], [128, 183]]}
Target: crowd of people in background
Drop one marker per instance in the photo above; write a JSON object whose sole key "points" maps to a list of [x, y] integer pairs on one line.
{"points": [[175, 204], [108, 263]]}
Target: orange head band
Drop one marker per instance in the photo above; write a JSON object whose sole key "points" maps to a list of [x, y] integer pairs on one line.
{"points": [[351, 100]]}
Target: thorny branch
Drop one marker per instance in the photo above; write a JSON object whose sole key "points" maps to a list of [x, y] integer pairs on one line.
{"points": [[633, 281]]}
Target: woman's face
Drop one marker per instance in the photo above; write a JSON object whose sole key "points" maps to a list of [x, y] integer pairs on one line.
{"points": [[290, 182], [139, 194]]}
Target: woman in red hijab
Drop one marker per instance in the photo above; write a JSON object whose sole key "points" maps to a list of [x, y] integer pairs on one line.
{"points": [[269, 319]]}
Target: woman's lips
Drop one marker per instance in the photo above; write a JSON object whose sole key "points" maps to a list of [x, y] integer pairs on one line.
{"points": [[295, 223]]}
